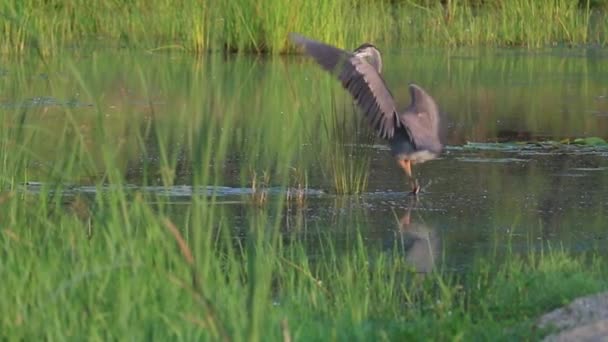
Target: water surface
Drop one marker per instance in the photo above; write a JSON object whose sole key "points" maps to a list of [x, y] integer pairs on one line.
{"points": [[478, 198]]}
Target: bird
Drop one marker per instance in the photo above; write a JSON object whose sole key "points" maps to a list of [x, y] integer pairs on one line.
{"points": [[417, 239], [413, 134]]}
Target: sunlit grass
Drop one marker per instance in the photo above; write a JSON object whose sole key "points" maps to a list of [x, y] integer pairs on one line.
{"points": [[263, 26], [513, 22]]}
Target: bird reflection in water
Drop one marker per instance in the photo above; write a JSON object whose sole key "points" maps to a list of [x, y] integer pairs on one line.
{"points": [[417, 240]]}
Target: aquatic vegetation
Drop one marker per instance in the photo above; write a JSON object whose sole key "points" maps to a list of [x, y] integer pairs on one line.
{"points": [[259, 188], [595, 141], [263, 26], [298, 189], [347, 156]]}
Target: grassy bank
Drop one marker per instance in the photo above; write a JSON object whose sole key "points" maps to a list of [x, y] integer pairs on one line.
{"points": [[262, 26]]}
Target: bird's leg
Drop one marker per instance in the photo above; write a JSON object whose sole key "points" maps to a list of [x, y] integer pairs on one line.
{"points": [[406, 165], [413, 181]]}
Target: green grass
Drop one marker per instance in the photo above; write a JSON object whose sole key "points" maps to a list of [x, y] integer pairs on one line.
{"points": [[516, 22], [346, 159], [263, 26], [141, 275]]}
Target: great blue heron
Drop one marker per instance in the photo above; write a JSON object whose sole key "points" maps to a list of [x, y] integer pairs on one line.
{"points": [[416, 240], [413, 134]]}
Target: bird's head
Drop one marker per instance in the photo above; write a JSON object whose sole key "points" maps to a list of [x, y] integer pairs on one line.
{"points": [[371, 54]]}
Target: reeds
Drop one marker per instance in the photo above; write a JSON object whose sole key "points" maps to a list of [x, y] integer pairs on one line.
{"points": [[506, 23], [347, 156], [263, 26]]}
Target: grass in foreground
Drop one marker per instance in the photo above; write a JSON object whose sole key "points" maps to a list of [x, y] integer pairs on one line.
{"points": [[263, 26], [127, 270]]}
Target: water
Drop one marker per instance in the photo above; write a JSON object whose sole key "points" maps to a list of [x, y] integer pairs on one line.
{"points": [[479, 198]]}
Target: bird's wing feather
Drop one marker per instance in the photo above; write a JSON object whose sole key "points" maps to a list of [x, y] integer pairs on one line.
{"points": [[361, 80], [421, 119]]}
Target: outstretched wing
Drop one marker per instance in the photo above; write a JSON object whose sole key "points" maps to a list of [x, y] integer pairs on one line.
{"points": [[360, 79], [422, 120]]}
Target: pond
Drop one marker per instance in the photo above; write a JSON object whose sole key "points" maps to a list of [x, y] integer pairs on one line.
{"points": [[179, 126]]}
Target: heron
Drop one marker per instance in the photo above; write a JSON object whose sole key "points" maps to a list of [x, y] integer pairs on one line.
{"points": [[413, 134]]}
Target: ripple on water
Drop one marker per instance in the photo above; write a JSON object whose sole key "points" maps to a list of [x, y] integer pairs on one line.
{"points": [[176, 191], [45, 101]]}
